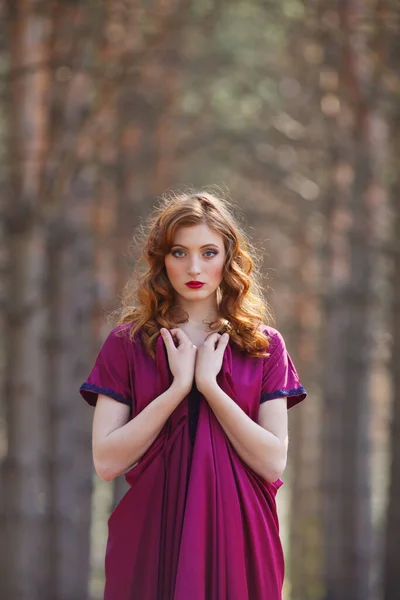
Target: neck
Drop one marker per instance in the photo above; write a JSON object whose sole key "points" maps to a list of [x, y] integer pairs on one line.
{"points": [[199, 314]]}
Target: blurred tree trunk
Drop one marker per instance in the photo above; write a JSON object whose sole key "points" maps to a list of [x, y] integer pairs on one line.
{"points": [[355, 208], [5, 195], [48, 467], [71, 177], [26, 467], [306, 543], [72, 275], [300, 79], [391, 572], [5, 186]]}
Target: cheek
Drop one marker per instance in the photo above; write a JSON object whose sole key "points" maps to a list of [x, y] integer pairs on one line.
{"points": [[216, 270], [172, 268]]}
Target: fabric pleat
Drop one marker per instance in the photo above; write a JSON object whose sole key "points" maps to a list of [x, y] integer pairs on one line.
{"points": [[197, 523]]}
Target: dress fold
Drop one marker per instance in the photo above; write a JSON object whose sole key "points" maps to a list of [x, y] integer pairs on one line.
{"points": [[196, 523]]}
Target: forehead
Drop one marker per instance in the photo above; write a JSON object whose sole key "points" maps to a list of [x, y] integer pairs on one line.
{"points": [[197, 235]]}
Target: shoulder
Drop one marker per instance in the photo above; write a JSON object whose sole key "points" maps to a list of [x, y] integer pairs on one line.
{"points": [[276, 340], [123, 331], [268, 330], [120, 338]]}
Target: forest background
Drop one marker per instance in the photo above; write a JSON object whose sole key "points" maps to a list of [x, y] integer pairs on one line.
{"points": [[290, 108]]}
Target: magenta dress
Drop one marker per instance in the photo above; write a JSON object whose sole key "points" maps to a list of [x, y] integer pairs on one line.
{"points": [[197, 522]]}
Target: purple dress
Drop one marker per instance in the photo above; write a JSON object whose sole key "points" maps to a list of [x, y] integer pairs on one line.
{"points": [[197, 521]]}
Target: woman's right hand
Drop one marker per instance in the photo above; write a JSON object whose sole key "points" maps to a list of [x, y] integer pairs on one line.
{"points": [[181, 357]]}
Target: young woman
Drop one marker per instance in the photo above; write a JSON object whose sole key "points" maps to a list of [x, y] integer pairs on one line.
{"points": [[191, 390]]}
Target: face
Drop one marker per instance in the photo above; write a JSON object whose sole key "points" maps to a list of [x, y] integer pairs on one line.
{"points": [[197, 254]]}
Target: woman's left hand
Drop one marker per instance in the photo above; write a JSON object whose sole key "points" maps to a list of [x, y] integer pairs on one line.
{"points": [[209, 359]]}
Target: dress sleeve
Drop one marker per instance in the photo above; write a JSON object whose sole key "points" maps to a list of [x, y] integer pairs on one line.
{"points": [[110, 374], [280, 378]]}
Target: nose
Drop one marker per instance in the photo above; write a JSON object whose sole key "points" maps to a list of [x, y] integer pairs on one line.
{"points": [[194, 267]]}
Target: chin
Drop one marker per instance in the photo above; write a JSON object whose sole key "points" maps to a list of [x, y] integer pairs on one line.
{"points": [[193, 294], [189, 293]]}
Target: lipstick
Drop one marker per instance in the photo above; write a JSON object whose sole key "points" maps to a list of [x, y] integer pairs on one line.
{"points": [[195, 285]]}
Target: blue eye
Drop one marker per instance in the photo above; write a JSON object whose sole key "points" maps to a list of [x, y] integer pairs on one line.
{"points": [[213, 252], [207, 252]]}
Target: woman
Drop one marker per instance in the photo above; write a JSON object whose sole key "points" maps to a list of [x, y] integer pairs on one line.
{"points": [[191, 390]]}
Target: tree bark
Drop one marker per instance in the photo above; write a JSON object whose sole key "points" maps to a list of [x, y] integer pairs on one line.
{"points": [[355, 212], [306, 542], [71, 296], [26, 467], [391, 572]]}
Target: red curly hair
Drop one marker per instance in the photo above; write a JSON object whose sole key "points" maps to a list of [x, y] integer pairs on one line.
{"points": [[147, 300]]}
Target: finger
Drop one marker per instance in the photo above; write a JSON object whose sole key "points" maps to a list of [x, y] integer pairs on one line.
{"points": [[223, 341], [167, 337], [212, 337], [179, 335]]}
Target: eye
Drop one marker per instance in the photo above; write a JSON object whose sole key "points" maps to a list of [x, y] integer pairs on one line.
{"points": [[213, 253]]}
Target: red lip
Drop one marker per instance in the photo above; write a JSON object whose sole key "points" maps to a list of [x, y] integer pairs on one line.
{"points": [[194, 284]]}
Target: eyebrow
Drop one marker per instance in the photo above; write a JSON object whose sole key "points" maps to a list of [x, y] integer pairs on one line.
{"points": [[204, 245]]}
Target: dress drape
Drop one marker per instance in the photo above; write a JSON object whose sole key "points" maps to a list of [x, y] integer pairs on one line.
{"points": [[197, 523]]}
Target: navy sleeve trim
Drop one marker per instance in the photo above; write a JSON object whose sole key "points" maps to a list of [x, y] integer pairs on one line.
{"points": [[89, 387], [298, 391]]}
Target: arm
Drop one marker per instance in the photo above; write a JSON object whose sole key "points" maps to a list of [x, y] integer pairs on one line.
{"points": [[118, 443], [263, 445]]}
